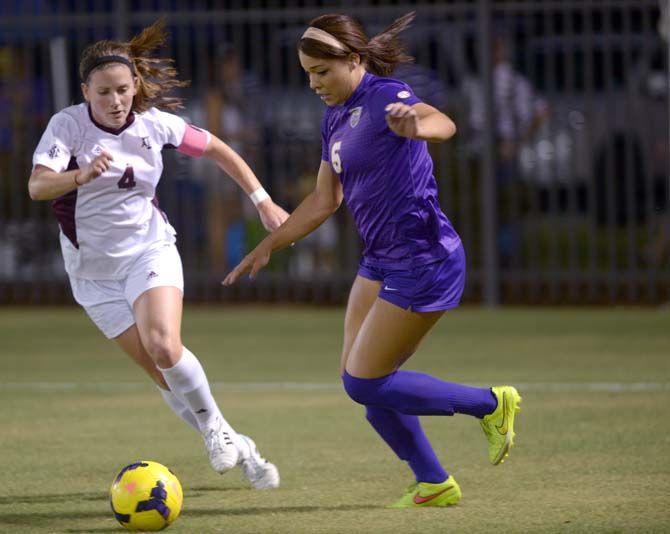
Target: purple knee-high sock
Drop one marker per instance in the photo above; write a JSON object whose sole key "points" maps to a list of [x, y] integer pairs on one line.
{"points": [[415, 393], [403, 433]]}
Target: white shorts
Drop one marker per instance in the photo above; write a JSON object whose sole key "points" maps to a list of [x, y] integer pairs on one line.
{"points": [[109, 303]]}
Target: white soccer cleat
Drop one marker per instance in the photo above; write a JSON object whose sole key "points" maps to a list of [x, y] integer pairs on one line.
{"points": [[260, 473], [223, 454]]}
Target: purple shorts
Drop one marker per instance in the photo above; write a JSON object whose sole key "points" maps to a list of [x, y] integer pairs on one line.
{"points": [[432, 287]]}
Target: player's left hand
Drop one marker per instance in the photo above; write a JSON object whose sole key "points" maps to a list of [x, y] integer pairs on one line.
{"points": [[402, 120], [272, 216], [252, 263]]}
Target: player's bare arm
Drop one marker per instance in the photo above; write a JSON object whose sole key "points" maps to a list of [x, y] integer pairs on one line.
{"points": [[419, 121], [46, 184], [307, 217], [272, 216]]}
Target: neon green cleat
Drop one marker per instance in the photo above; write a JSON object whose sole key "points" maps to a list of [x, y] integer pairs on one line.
{"points": [[499, 425], [422, 494]]}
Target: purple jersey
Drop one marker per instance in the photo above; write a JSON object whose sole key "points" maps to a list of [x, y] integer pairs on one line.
{"points": [[387, 180]]}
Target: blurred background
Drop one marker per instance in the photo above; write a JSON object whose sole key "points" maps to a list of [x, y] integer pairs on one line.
{"points": [[557, 179]]}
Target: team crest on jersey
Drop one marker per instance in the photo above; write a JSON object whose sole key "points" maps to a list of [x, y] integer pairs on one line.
{"points": [[97, 150], [355, 116], [146, 143], [54, 151], [403, 94]]}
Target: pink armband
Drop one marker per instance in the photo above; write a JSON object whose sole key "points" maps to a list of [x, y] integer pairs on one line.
{"points": [[194, 142]]}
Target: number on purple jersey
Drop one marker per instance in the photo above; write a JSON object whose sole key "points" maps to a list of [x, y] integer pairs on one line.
{"points": [[335, 157]]}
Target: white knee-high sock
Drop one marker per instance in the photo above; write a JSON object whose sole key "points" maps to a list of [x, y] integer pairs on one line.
{"points": [[188, 383], [179, 408]]}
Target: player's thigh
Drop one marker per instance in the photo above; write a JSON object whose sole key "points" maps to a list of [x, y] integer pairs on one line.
{"points": [[361, 298], [154, 289], [386, 337], [131, 344], [158, 314]]}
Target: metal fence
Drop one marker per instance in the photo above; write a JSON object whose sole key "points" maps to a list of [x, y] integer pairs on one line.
{"points": [[557, 180]]}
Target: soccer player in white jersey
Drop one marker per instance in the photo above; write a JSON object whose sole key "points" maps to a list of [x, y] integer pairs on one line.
{"points": [[99, 162]]}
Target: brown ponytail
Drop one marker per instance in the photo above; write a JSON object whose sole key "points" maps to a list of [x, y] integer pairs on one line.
{"points": [[386, 50], [156, 76], [380, 54]]}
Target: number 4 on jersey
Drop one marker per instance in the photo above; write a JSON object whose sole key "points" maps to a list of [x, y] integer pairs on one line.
{"points": [[127, 181]]}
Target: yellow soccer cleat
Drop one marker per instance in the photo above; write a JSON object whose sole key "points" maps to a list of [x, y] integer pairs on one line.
{"points": [[423, 494], [499, 425]]}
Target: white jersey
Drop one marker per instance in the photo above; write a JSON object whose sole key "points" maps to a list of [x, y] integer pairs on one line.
{"points": [[107, 223]]}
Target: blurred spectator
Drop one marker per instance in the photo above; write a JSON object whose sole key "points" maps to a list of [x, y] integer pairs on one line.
{"points": [[229, 103], [23, 110], [518, 114], [224, 110], [316, 254], [519, 111]]}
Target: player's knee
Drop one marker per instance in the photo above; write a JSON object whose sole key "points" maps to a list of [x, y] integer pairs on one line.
{"points": [[164, 349], [364, 390]]}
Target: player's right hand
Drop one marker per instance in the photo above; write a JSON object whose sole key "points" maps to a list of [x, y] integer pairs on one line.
{"points": [[94, 169], [272, 216], [252, 263]]}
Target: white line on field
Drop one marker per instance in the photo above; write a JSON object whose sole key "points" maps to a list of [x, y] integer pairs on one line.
{"points": [[548, 387]]}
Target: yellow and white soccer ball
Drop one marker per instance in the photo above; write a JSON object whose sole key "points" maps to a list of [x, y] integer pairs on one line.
{"points": [[146, 496]]}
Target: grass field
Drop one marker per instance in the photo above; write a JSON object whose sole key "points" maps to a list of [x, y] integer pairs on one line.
{"points": [[592, 455]]}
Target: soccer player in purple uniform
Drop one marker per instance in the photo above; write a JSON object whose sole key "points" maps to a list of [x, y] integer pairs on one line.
{"points": [[375, 157]]}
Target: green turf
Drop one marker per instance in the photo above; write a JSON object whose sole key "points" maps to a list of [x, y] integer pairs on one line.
{"points": [[585, 461]]}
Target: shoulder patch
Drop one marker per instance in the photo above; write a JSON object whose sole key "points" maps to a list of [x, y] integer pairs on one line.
{"points": [[403, 94], [54, 152]]}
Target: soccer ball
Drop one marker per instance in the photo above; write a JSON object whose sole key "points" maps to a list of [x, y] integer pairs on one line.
{"points": [[145, 496]]}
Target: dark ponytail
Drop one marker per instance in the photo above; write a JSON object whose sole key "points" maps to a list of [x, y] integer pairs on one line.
{"points": [[380, 54], [385, 50]]}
